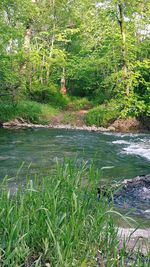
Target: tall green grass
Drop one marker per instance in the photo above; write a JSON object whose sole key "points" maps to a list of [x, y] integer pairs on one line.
{"points": [[57, 221], [28, 110]]}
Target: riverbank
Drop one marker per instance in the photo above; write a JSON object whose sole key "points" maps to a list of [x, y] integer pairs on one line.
{"points": [[31, 114], [20, 123], [56, 221], [125, 126]]}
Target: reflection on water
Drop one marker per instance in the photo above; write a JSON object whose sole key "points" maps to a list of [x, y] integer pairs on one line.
{"points": [[117, 155]]}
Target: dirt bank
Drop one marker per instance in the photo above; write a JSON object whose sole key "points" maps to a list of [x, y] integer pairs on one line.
{"points": [[19, 123], [75, 121]]}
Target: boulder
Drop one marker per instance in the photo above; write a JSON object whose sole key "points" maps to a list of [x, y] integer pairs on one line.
{"points": [[134, 194]]}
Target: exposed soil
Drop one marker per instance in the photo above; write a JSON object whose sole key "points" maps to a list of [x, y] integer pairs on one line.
{"points": [[136, 246], [136, 239], [128, 125], [76, 118]]}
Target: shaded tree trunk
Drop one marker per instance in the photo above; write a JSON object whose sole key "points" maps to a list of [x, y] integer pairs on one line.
{"points": [[51, 54], [63, 89], [124, 50], [26, 46]]}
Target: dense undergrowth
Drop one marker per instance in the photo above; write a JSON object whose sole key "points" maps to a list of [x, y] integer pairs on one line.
{"points": [[28, 110], [39, 112], [58, 221], [102, 115], [49, 95]]}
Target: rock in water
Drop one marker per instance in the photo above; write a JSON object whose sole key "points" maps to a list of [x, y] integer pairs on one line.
{"points": [[135, 193]]}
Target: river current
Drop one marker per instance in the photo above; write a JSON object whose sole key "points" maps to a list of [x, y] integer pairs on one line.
{"points": [[116, 155]]}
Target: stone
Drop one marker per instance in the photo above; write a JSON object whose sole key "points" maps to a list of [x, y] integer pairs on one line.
{"points": [[135, 194], [136, 239], [111, 129]]}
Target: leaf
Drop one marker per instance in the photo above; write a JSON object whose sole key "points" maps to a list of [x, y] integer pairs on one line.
{"points": [[83, 264]]}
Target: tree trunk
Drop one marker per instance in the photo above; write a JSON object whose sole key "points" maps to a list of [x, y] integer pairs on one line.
{"points": [[26, 47], [124, 50], [50, 55], [63, 89]]}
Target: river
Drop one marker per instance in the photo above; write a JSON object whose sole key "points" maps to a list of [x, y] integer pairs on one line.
{"points": [[116, 155], [35, 151]]}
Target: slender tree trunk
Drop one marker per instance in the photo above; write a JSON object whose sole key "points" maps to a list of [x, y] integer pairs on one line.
{"points": [[26, 46], [50, 55], [63, 89], [124, 50], [27, 39], [52, 4]]}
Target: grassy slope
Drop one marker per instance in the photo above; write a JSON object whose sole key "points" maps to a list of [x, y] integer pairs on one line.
{"points": [[45, 113], [28, 110]]}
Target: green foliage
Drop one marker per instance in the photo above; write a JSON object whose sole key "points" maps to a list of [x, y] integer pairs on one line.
{"points": [[142, 88], [52, 221], [28, 110], [49, 95], [83, 78], [56, 220], [132, 107], [79, 103], [102, 115], [101, 96], [147, 111], [76, 41]]}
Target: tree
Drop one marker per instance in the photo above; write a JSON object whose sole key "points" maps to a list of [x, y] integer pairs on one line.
{"points": [[100, 49]]}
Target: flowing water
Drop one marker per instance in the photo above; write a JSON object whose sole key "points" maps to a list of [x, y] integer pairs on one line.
{"points": [[117, 156]]}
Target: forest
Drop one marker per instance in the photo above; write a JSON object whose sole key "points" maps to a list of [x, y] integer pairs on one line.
{"points": [[85, 53], [74, 176]]}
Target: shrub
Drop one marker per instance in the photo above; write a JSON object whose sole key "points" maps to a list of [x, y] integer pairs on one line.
{"points": [[99, 98], [132, 106], [49, 95], [101, 116]]}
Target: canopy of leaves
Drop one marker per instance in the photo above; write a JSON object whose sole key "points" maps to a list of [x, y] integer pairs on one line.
{"points": [[102, 48]]}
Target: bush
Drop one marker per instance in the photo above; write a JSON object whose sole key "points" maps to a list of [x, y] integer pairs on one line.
{"points": [[132, 106], [100, 97], [101, 116], [49, 95]]}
